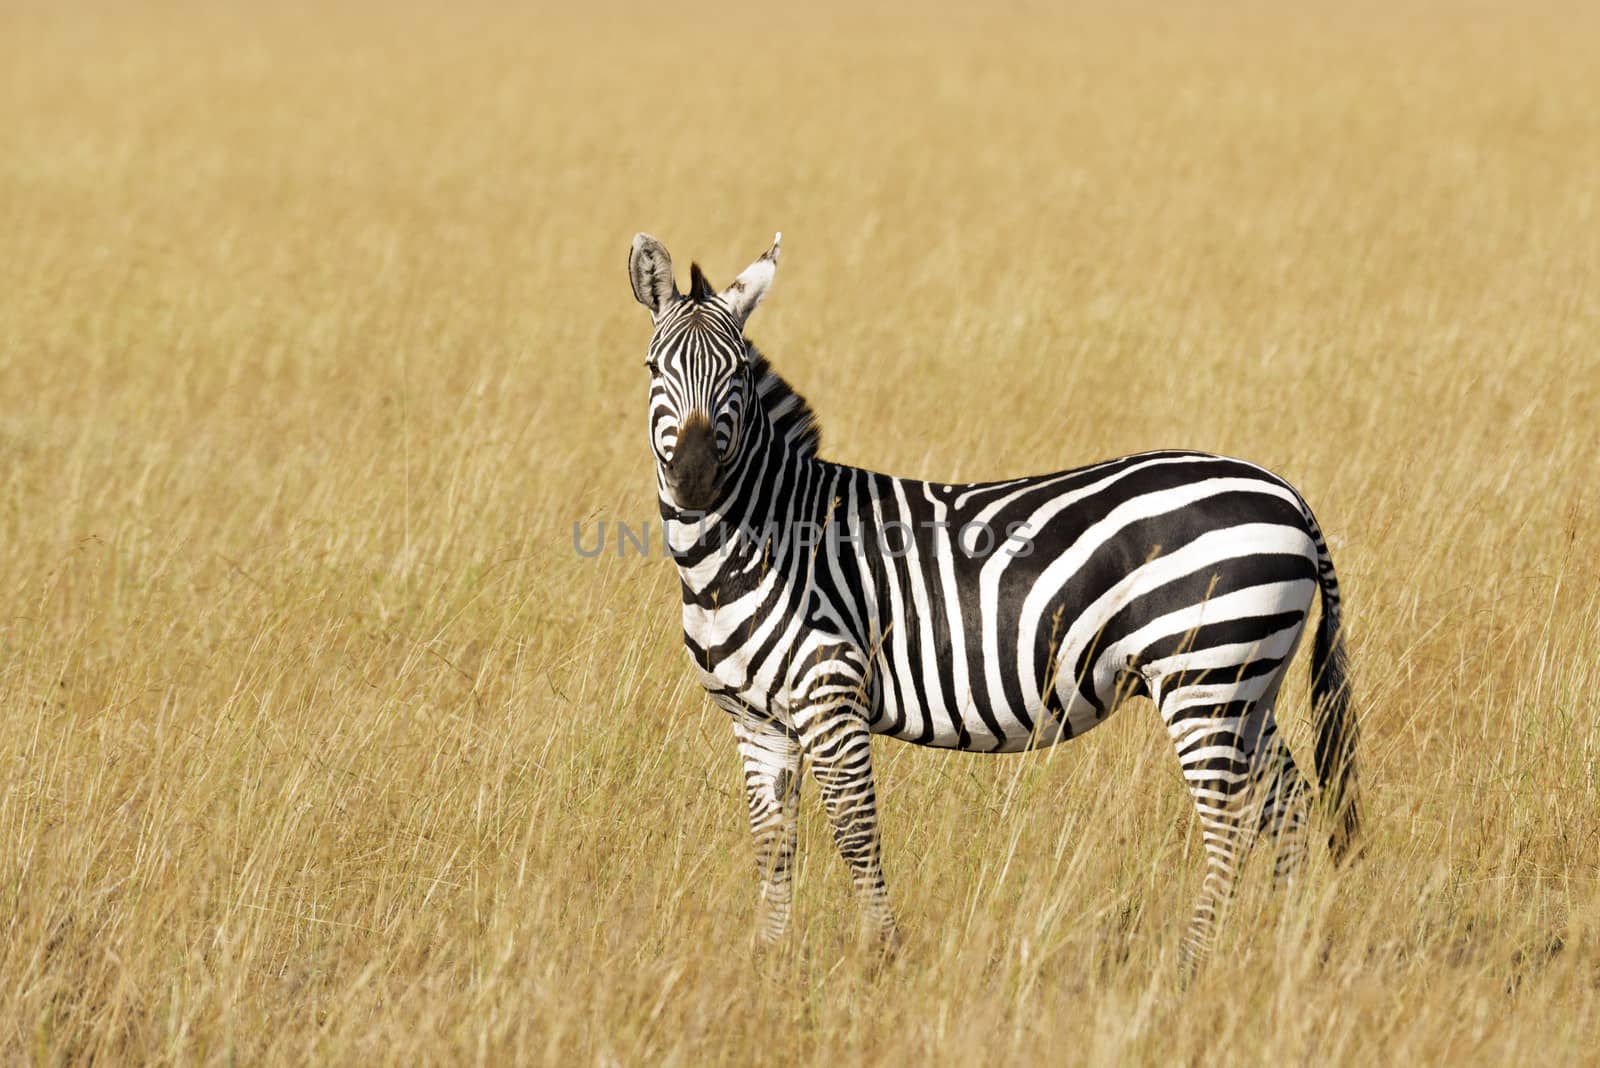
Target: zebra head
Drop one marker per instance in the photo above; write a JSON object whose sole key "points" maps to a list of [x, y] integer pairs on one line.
{"points": [[702, 387]]}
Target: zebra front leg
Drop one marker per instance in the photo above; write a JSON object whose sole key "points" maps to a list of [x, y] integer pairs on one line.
{"points": [[836, 738], [772, 788]]}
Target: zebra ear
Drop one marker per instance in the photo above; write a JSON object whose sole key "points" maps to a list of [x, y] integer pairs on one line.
{"points": [[748, 289], [650, 271]]}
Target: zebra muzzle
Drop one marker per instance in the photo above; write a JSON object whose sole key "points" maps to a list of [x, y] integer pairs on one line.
{"points": [[693, 471]]}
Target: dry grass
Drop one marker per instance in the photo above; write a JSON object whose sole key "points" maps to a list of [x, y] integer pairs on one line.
{"points": [[321, 744]]}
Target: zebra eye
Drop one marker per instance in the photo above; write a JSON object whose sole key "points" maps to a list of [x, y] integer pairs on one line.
{"points": [[655, 368]]}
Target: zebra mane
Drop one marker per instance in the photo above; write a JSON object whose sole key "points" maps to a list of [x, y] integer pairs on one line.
{"points": [[793, 421]]}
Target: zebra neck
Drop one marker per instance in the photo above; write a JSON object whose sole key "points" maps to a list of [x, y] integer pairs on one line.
{"points": [[773, 501], [793, 425]]}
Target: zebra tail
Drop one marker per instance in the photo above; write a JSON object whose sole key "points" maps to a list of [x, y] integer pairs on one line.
{"points": [[1336, 728]]}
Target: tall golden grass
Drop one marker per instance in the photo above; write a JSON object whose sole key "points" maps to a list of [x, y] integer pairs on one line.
{"points": [[321, 743]]}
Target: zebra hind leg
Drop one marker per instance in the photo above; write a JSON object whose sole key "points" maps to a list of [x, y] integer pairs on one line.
{"points": [[1282, 795], [772, 789], [1243, 782]]}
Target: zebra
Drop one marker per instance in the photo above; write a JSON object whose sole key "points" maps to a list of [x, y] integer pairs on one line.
{"points": [[1180, 576]]}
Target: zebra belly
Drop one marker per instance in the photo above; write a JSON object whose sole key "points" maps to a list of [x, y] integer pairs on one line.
{"points": [[913, 706]]}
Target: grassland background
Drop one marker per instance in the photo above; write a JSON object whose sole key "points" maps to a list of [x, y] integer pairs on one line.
{"points": [[320, 743]]}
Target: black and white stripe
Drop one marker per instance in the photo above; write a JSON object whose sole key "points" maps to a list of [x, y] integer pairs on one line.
{"points": [[823, 604]]}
